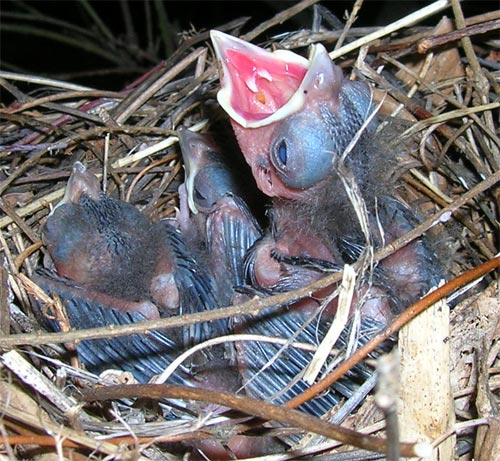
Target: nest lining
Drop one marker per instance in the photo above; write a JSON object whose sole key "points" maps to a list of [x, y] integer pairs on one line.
{"points": [[129, 138]]}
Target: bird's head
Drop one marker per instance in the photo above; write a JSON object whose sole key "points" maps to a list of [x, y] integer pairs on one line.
{"points": [[292, 117]]}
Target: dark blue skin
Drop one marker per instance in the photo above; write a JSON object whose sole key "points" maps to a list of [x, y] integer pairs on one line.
{"points": [[304, 160], [305, 145], [307, 161], [114, 267], [220, 224]]}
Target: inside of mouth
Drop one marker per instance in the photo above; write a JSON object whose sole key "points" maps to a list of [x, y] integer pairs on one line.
{"points": [[261, 84]]}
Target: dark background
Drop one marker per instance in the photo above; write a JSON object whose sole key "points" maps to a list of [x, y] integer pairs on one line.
{"points": [[25, 49]]}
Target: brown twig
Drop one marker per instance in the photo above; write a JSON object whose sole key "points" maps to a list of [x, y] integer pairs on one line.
{"points": [[252, 407], [151, 86], [279, 18], [69, 95], [4, 301], [44, 127], [426, 44], [9, 211], [402, 319], [350, 21], [479, 80], [253, 306], [40, 440], [50, 441], [26, 253], [146, 170]]}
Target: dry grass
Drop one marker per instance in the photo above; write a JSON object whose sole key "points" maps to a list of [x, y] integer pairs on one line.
{"points": [[444, 83]]}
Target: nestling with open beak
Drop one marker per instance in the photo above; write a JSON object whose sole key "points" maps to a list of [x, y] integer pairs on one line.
{"points": [[309, 136]]}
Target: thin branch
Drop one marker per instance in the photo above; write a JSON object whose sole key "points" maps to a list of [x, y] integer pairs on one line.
{"points": [[253, 306], [426, 44], [402, 319], [256, 408], [281, 17], [407, 21]]}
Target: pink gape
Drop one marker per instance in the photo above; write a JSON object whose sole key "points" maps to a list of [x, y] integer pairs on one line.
{"points": [[295, 120]]}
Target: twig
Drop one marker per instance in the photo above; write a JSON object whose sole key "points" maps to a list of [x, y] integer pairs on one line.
{"points": [[350, 21], [163, 377], [480, 81], [402, 319], [256, 408], [50, 441], [61, 97], [44, 81], [279, 18], [450, 115], [5, 296], [148, 89], [407, 21], [426, 44], [9, 211], [386, 400]]}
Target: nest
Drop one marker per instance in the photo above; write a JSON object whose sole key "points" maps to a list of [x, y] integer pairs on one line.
{"points": [[442, 81]]}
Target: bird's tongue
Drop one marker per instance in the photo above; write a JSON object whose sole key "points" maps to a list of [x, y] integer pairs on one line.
{"points": [[255, 83]]}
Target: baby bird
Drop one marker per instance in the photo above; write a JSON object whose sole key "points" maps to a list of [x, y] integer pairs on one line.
{"points": [[220, 223], [115, 267], [308, 135]]}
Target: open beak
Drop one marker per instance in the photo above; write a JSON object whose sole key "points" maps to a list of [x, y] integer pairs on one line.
{"points": [[259, 87]]}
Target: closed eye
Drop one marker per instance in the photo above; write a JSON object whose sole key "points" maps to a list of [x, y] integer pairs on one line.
{"points": [[199, 196], [282, 153]]}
